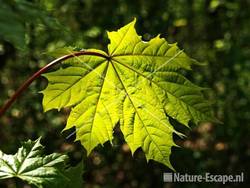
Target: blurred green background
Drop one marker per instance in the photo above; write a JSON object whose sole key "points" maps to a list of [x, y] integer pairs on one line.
{"points": [[212, 31]]}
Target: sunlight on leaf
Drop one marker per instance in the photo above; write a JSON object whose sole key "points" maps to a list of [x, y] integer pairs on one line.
{"points": [[139, 85]]}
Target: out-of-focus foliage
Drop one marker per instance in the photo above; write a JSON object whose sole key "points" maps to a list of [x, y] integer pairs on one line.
{"points": [[213, 31], [16, 15]]}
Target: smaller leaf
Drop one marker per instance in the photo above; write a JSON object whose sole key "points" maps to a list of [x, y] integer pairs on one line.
{"points": [[31, 165]]}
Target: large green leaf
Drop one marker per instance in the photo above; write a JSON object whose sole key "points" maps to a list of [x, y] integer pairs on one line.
{"points": [[138, 84], [31, 165]]}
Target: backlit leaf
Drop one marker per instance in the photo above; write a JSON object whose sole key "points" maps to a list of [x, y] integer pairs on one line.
{"points": [[137, 84]]}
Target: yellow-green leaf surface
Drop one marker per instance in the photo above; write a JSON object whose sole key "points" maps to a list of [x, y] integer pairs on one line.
{"points": [[137, 84]]}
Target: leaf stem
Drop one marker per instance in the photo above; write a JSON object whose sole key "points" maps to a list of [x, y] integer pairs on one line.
{"points": [[37, 74]]}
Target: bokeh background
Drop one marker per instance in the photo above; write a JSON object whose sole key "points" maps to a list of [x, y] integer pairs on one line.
{"points": [[213, 31]]}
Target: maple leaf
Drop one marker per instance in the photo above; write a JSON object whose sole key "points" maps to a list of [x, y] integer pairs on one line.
{"points": [[137, 84], [43, 171]]}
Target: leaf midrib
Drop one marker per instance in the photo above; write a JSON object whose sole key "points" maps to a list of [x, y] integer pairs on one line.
{"points": [[78, 80], [121, 41], [118, 76], [98, 99], [146, 55], [20, 170], [130, 68], [9, 166]]}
